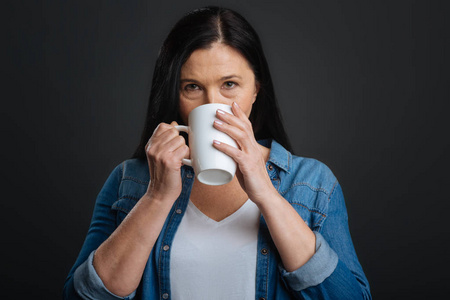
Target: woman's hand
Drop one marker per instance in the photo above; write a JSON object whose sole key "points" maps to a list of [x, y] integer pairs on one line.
{"points": [[165, 150], [121, 259], [292, 237], [252, 174]]}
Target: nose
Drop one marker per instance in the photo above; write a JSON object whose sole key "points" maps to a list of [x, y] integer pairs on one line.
{"points": [[214, 96], [211, 96]]}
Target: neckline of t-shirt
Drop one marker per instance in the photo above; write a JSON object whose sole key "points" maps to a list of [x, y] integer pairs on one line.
{"points": [[247, 204]]}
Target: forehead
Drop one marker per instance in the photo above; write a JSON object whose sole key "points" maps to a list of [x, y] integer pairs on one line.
{"points": [[219, 58]]}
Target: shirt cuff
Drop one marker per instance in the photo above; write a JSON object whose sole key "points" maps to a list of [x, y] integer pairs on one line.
{"points": [[318, 268], [88, 284]]}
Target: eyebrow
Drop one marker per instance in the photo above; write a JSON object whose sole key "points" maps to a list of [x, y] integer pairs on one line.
{"points": [[230, 76], [221, 79]]}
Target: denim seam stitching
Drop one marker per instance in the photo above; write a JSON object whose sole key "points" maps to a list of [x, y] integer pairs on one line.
{"points": [[289, 160], [313, 210], [320, 190], [333, 189], [135, 180], [122, 167], [118, 208], [129, 197]]}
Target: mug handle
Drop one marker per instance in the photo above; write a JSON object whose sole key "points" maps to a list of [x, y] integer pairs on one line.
{"points": [[184, 129]]}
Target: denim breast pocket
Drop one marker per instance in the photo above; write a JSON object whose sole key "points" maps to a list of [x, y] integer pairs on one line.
{"points": [[122, 207], [310, 205], [312, 217]]}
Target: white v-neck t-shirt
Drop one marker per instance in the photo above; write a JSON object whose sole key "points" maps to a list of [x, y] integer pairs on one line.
{"points": [[215, 260]]}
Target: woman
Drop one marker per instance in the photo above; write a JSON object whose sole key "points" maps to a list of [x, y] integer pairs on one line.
{"points": [[278, 230]]}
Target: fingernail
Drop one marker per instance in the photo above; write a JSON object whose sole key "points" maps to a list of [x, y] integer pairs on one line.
{"points": [[220, 112], [235, 104], [216, 142], [218, 122]]}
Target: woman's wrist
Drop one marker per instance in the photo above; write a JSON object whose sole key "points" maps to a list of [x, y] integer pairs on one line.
{"points": [[153, 196], [267, 198]]}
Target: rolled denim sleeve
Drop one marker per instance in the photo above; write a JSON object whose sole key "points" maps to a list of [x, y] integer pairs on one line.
{"points": [[102, 225], [318, 268], [88, 284], [334, 271]]}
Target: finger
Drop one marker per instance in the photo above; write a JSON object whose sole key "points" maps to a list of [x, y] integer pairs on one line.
{"points": [[159, 143], [174, 144], [230, 119], [163, 127], [238, 112], [173, 159], [166, 141], [181, 152], [231, 151], [167, 133], [159, 129], [239, 135], [170, 134], [188, 153], [238, 119]]}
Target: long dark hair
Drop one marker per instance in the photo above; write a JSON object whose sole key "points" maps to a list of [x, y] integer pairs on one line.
{"points": [[198, 30]]}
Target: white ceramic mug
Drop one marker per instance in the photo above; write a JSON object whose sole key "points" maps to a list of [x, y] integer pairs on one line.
{"points": [[211, 166]]}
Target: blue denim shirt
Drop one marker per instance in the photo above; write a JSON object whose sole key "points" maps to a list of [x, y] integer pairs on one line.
{"points": [[334, 271]]}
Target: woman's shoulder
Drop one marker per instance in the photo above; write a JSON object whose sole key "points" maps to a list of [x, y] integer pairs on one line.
{"points": [[307, 183], [314, 172], [303, 171], [134, 179], [135, 170]]}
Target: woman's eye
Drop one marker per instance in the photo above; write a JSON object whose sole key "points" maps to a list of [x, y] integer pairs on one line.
{"points": [[191, 87], [229, 84]]}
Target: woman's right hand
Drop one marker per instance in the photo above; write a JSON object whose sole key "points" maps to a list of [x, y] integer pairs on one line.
{"points": [[120, 260], [165, 150]]}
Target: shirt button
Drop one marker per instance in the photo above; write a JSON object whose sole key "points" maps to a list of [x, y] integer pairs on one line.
{"points": [[165, 296], [178, 211], [189, 175], [165, 248], [264, 251], [270, 167]]}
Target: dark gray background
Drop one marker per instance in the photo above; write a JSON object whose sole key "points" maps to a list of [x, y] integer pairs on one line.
{"points": [[362, 86]]}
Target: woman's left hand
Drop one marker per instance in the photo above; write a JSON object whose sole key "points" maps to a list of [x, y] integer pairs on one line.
{"points": [[293, 238], [252, 174]]}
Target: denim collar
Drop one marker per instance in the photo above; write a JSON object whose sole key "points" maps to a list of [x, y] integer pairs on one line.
{"points": [[279, 156]]}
